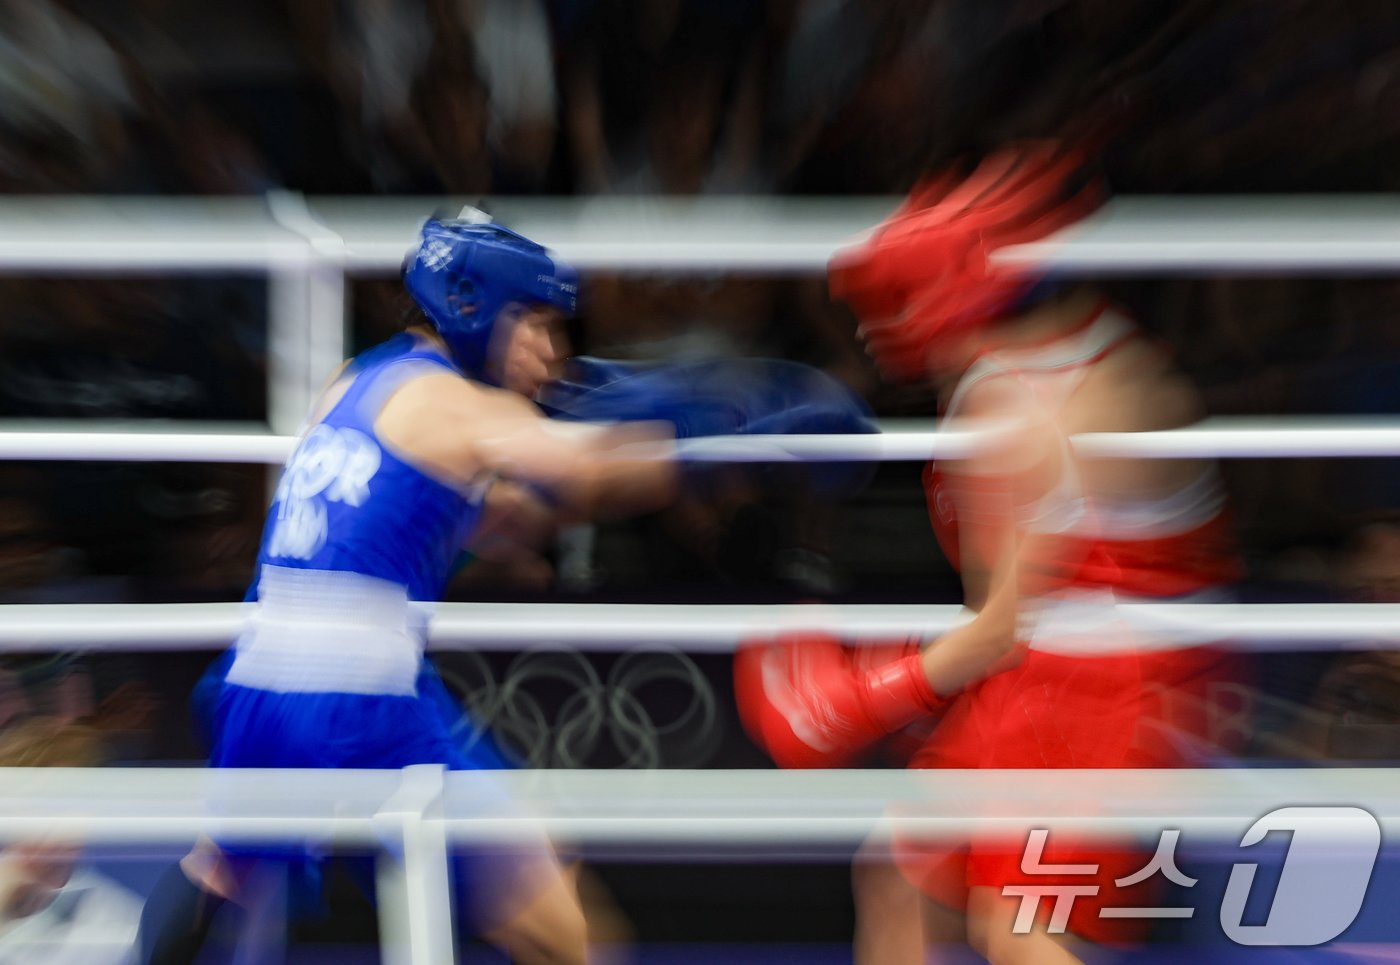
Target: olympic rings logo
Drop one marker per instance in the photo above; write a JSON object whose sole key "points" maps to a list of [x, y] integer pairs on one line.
{"points": [[654, 709]]}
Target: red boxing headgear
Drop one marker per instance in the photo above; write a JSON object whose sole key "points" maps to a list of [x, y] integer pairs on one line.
{"points": [[926, 272]]}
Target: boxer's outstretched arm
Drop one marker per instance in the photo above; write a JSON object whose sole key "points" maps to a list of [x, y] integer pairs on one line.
{"points": [[468, 434]]}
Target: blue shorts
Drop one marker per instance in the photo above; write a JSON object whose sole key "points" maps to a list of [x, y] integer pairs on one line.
{"points": [[265, 729], [261, 728], [256, 728]]}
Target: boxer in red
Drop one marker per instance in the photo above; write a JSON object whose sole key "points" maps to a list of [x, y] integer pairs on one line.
{"points": [[1043, 538]]}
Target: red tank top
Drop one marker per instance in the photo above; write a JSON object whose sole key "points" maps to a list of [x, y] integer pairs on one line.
{"points": [[1166, 547]]}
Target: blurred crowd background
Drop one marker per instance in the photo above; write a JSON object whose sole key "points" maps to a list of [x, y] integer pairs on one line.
{"points": [[487, 98]]}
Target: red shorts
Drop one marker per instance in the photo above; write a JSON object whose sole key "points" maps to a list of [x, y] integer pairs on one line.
{"points": [[1057, 711]]}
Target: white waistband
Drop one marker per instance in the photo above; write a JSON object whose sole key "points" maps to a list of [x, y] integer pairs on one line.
{"points": [[325, 631], [1081, 621]]}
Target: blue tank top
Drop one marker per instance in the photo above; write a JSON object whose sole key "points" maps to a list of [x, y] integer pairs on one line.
{"points": [[346, 503]]}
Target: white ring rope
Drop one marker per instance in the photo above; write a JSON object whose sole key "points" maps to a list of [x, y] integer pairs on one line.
{"points": [[145, 447], [1139, 235], [1212, 438], [694, 808], [695, 628]]}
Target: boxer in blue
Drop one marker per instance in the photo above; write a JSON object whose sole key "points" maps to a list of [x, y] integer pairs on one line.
{"points": [[404, 461], [393, 475]]}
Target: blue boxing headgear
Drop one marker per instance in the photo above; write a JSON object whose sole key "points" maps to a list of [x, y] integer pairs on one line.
{"points": [[463, 273]]}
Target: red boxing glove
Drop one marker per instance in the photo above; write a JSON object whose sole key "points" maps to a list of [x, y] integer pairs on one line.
{"points": [[810, 702]]}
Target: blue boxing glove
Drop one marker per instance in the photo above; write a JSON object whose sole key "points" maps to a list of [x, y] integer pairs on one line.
{"points": [[725, 397]]}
